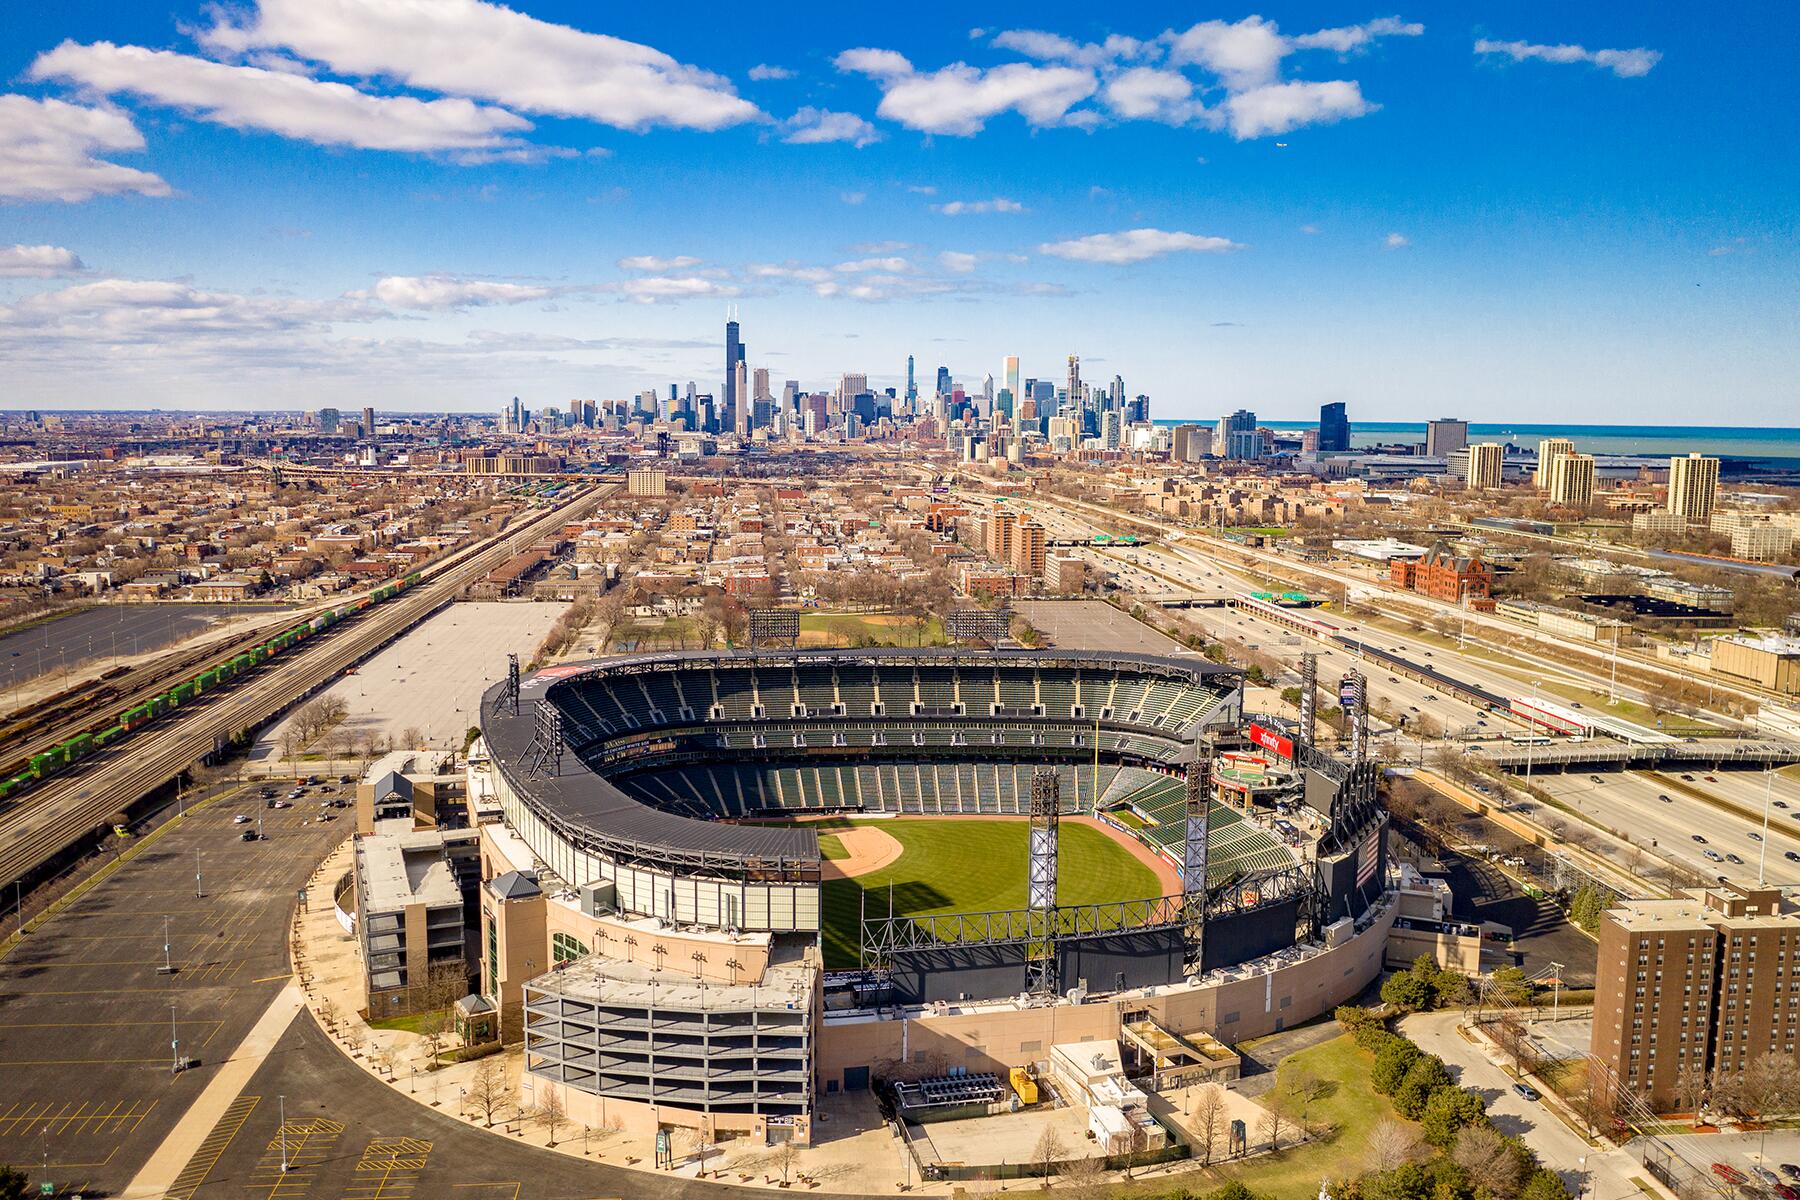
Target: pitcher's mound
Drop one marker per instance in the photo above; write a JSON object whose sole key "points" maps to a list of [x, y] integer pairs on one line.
{"points": [[866, 849]]}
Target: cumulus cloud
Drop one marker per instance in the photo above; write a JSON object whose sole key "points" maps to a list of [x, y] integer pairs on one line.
{"points": [[445, 292], [1626, 64], [790, 271], [49, 151], [242, 97], [1153, 94], [958, 262], [1243, 54], [893, 264], [1279, 107], [959, 99], [653, 289], [1054, 47], [1396, 241], [764, 71], [651, 262], [38, 262], [812, 126], [1349, 38], [999, 204], [853, 197], [110, 313], [1135, 245], [491, 52]]}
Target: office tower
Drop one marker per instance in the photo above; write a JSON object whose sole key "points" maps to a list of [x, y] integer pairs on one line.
{"points": [[1140, 410], [1077, 393], [574, 412], [588, 412], [734, 358], [1241, 438], [759, 384], [740, 404], [790, 397], [1445, 435], [1028, 544], [1549, 449], [515, 416], [1334, 427], [851, 386], [1693, 486], [1192, 442], [1486, 460], [328, 420], [987, 397], [1110, 429], [368, 423], [1115, 394], [1695, 986], [1571, 482], [1003, 406], [912, 386], [1009, 375]]}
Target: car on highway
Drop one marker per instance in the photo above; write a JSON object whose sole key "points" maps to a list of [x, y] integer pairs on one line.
{"points": [[1689, 778], [1664, 797], [240, 819], [1780, 803], [1755, 837], [1712, 779], [1525, 1091], [1593, 779], [1429, 699], [1791, 856], [1713, 855], [1701, 838], [1734, 860]]}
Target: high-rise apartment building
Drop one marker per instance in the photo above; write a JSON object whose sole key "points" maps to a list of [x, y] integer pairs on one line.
{"points": [[1112, 428], [1334, 427], [1239, 435], [1549, 450], [1028, 547], [1001, 524], [1571, 482], [1696, 984], [1487, 460], [1445, 436], [1693, 487], [1192, 442]]}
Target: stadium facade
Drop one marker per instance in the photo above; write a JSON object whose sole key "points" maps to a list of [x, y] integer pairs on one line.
{"points": [[659, 943]]}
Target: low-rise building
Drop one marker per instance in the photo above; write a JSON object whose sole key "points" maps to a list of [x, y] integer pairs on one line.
{"points": [[1771, 661]]}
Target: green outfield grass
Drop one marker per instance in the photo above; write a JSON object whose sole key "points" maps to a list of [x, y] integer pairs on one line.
{"points": [[968, 865]]}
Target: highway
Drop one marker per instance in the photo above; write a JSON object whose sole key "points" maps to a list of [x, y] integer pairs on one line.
{"points": [[60, 812]]}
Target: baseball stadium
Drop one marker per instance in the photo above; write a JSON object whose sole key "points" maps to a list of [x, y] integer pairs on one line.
{"points": [[721, 888]]}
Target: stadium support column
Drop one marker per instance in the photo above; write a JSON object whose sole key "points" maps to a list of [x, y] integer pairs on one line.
{"points": [[1193, 860], [1040, 885], [512, 682], [1309, 704]]}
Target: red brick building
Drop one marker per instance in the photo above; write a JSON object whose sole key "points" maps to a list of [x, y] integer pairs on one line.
{"points": [[1447, 576]]}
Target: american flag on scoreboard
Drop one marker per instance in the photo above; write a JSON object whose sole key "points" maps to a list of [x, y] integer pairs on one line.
{"points": [[1368, 856]]}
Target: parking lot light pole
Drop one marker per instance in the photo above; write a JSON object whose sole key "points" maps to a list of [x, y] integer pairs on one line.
{"points": [[1762, 854], [174, 1043], [281, 1102]]}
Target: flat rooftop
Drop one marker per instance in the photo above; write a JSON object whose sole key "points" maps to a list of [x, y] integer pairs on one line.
{"points": [[399, 869], [634, 985]]}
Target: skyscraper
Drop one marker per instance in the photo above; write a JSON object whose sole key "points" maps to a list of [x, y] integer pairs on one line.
{"points": [[1239, 434], [1549, 450], [943, 381], [1334, 427], [1693, 486], [1077, 394], [1571, 481], [1444, 436], [734, 357], [740, 391], [912, 385], [1009, 375], [368, 424]]}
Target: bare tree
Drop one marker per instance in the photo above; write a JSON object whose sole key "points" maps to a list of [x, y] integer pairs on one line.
{"points": [[1208, 1119], [1690, 1087], [1085, 1179], [1391, 1144], [785, 1155], [1048, 1151], [1490, 1161], [550, 1113], [1274, 1119], [486, 1092]]}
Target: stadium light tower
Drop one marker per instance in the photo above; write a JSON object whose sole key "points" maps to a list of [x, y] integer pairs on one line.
{"points": [[1193, 859], [1040, 883]]}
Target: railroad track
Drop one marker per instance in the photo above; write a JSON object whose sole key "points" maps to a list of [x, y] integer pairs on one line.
{"points": [[61, 812]]}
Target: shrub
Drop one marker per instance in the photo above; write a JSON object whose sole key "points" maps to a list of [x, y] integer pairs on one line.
{"points": [[1447, 1112], [1392, 1065], [1425, 1076]]}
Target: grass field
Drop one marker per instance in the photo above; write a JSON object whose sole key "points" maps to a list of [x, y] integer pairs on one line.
{"points": [[837, 630], [965, 865]]}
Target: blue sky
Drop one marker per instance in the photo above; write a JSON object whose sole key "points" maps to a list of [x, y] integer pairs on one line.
{"points": [[1581, 213]]}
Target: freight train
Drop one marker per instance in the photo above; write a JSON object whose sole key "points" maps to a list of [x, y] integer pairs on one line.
{"points": [[111, 731]]}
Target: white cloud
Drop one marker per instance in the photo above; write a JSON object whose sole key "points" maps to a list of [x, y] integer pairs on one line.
{"points": [[1243, 54], [1135, 245], [296, 106], [999, 204], [922, 189], [135, 313], [853, 197], [1396, 241], [1153, 94], [893, 264], [38, 262], [957, 262], [477, 49], [1626, 64], [763, 71], [650, 262], [1309, 230], [812, 126], [960, 99], [1349, 38], [445, 292], [651, 289], [48, 151], [1054, 47], [1279, 107], [790, 271]]}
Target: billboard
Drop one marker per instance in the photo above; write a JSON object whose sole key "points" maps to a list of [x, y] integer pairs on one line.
{"points": [[1268, 739]]}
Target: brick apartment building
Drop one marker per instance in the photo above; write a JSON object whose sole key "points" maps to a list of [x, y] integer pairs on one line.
{"points": [[1448, 576], [1709, 979]]}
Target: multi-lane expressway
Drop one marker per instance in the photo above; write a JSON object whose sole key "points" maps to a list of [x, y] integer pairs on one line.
{"points": [[66, 809]]}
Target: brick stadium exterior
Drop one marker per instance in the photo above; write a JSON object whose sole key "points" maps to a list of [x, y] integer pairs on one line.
{"points": [[685, 984]]}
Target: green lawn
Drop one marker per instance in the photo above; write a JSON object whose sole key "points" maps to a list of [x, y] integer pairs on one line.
{"points": [[1349, 1106], [965, 865], [867, 629]]}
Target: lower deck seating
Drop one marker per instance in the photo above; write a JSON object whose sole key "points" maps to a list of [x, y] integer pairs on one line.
{"points": [[738, 790]]}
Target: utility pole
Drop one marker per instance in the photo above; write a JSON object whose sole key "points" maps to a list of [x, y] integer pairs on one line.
{"points": [[174, 1042], [197, 892], [282, 1103], [1762, 852]]}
